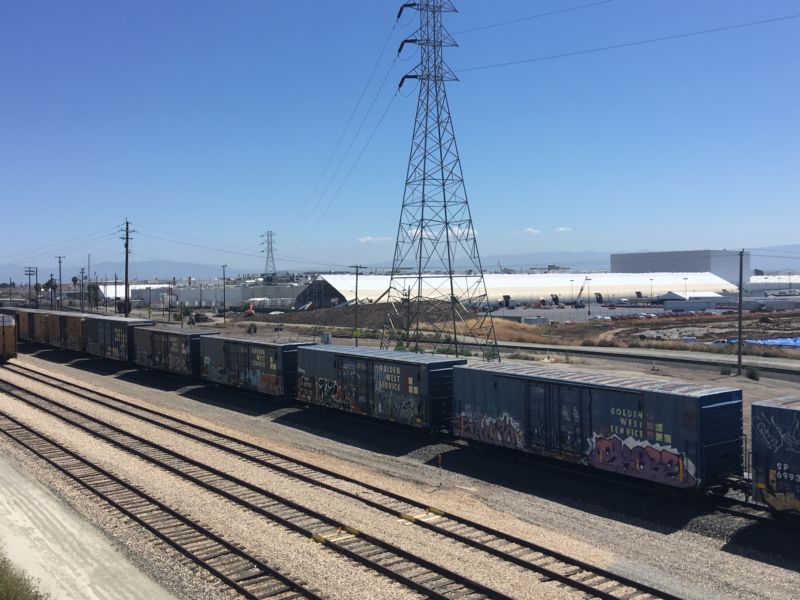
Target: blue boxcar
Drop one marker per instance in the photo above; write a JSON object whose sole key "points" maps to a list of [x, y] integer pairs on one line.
{"points": [[173, 350], [408, 388], [112, 337], [776, 453], [264, 366], [671, 433]]}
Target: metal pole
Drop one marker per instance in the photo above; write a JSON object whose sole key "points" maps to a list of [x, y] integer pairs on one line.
{"points": [[739, 344], [356, 333], [37, 285], [224, 299]]}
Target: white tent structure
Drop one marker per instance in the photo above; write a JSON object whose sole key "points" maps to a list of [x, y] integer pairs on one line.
{"points": [[529, 288]]}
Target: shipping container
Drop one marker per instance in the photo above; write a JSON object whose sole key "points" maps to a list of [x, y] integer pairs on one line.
{"points": [[405, 387], [173, 350], [112, 337], [268, 367], [776, 453], [667, 432], [8, 338]]}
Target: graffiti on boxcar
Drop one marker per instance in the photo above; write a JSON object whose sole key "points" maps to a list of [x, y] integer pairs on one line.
{"points": [[305, 388], [500, 431], [269, 384], [646, 460], [777, 436]]}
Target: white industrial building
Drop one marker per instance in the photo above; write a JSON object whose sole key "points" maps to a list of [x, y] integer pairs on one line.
{"points": [[723, 263], [532, 288]]}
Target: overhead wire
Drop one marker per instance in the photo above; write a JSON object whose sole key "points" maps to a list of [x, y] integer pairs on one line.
{"points": [[532, 17], [344, 130], [352, 168], [293, 235], [655, 40]]}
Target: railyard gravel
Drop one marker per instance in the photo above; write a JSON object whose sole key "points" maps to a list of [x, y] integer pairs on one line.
{"points": [[478, 566], [294, 555], [701, 558]]}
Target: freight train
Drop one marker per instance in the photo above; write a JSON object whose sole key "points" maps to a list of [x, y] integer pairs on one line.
{"points": [[669, 433]]}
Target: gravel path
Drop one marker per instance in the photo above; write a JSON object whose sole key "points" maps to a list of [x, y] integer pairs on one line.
{"points": [[703, 557]]}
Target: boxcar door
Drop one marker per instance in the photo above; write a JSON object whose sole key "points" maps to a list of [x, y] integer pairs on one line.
{"points": [[542, 416], [573, 418]]}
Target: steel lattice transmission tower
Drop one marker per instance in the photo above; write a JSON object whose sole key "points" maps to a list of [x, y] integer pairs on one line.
{"points": [[437, 287], [269, 256]]}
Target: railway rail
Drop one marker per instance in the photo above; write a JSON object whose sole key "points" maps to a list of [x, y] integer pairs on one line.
{"points": [[422, 576], [240, 571], [547, 563]]}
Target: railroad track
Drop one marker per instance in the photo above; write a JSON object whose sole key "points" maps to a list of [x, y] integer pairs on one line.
{"points": [[422, 576], [547, 563], [233, 566], [745, 509]]}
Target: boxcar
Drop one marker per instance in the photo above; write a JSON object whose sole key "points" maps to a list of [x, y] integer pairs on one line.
{"points": [[776, 453], [268, 367], [173, 350], [8, 338], [412, 389], [33, 325], [675, 434], [112, 337]]}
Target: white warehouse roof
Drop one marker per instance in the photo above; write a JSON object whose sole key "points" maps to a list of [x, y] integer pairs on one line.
{"points": [[532, 287]]}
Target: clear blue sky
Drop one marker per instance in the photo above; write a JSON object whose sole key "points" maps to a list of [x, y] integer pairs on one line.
{"points": [[215, 119]]}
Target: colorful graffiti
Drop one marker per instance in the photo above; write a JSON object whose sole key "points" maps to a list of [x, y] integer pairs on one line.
{"points": [[499, 431], [645, 460]]}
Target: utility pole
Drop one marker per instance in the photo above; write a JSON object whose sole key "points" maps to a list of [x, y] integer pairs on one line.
{"points": [[36, 287], [115, 293], [127, 239], [89, 275], [29, 271], [50, 285], [60, 291], [82, 276], [741, 285], [356, 332], [224, 300]]}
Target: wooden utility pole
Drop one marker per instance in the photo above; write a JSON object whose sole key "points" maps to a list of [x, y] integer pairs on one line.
{"points": [[741, 285], [60, 290], [224, 299], [127, 254]]}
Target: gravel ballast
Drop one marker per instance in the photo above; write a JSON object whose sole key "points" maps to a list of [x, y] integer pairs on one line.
{"points": [[698, 557]]}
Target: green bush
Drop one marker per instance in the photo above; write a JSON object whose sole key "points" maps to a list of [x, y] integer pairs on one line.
{"points": [[752, 372], [587, 343], [725, 370]]}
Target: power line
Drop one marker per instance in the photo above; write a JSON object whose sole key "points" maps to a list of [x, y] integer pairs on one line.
{"points": [[532, 17], [344, 131], [290, 259], [293, 234], [349, 173], [664, 38]]}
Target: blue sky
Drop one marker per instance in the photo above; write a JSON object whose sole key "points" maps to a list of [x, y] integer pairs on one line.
{"points": [[209, 122]]}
